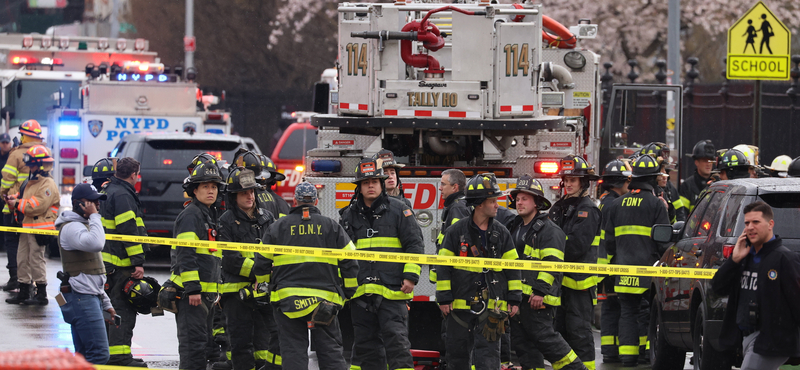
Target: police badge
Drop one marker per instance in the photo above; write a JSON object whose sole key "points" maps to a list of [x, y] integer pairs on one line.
{"points": [[95, 126]]}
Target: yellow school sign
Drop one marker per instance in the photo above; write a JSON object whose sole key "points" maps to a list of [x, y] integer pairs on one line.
{"points": [[759, 45]]}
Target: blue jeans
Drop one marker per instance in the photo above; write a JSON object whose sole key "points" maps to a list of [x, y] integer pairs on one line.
{"points": [[84, 313]]}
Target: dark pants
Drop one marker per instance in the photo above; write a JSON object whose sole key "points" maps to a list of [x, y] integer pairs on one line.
{"points": [[574, 322], [326, 339], [534, 337], [194, 331], [247, 330], [461, 341], [380, 334], [119, 338], [630, 325], [11, 241], [84, 314], [609, 330], [644, 327], [222, 344]]}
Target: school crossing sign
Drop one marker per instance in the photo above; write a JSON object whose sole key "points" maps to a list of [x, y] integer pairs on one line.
{"points": [[758, 46]]}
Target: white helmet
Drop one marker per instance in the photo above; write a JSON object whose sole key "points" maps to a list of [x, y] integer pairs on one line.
{"points": [[749, 151], [781, 163]]}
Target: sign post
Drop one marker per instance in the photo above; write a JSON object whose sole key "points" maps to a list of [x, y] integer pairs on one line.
{"points": [[759, 45]]}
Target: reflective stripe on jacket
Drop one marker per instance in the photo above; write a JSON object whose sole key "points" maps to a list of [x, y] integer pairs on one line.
{"points": [[121, 214]]}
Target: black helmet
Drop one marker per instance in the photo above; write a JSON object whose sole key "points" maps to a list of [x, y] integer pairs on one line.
{"points": [[271, 169], [481, 187], [576, 166], [250, 160], [733, 158], [387, 157], [657, 149], [204, 172], [794, 168], [646, 165], [104, 168], [704, 149], [200, 158], [616, 173], [141, 293], [240, 179], [528, 184], [369, 168]]}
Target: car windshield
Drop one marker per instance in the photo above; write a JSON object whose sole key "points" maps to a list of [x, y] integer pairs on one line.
{"points": [[29, 99], [169, 154], [295, 148], [786, 208]]}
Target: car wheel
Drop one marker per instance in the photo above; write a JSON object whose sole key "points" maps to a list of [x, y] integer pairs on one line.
{"points": [[663, 356], [705, 356]]}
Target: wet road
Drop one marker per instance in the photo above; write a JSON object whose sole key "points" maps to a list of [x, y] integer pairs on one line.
{"points": [[154, 339]]}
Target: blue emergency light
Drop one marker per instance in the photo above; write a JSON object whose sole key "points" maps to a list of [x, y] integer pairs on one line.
{"points": [[140, 77], [215, 131], [326, 166], [69, 130]]}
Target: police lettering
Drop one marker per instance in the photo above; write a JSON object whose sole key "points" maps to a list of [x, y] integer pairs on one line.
{"points": [[305, 302], [136, 125], [631, 202], [303, 229], [749, 282]]}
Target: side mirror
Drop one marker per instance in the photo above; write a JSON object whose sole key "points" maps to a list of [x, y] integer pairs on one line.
{"points": [[87, 171], [664, 233]]}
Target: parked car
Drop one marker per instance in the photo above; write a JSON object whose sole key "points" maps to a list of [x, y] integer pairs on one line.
{"points": [[685, 314]]}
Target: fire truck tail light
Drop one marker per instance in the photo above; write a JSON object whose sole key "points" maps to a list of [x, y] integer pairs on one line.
{"points": [[68, 130], [546, 167], [554, 187], [67, 180], [727, 250], [67, 172], [69, 153], [167, 162], [319, 186], [300, 168], [326, 166]]}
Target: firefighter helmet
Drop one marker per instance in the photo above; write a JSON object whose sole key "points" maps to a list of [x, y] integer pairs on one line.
{"points": [[31, 128], [749, 151], [271, 169], [250, 160], [657, 149], [528, 184], [104, 168], [576, 166], [200, 158], [794, 168], [481, 187], [645, 165], [241, 179], [36, 156], [141, 293], [204, 172], [704, 149], [387, 156], [733, 158], [780, 163], [369, 168], [616, 168]]}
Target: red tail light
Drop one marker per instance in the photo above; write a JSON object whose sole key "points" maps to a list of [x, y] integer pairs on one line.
{"points": [[167, 162], [69, 153], [727, 250], [138, 185], [546, 167], [68, 172]]}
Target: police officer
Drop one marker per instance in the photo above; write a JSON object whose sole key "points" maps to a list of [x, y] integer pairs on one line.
{"points": [[670, 192], [307, 292], [616, 177], [102, 171], [196, 270], [121, 214], [703, 154], [477, 300], [537, 238], [734, 165], [779, 166], [245, 275], [15, 172], [270, 176], [577, 215], [376, 222], [627, 242], [394, 187]]}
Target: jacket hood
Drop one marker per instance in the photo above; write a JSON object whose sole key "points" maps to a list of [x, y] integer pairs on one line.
{"points": [[69, 216]]}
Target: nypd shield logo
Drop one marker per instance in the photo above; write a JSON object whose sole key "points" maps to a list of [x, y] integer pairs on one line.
{"points": [[95, 127]]}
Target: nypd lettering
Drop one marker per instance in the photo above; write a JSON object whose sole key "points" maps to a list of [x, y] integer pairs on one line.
{"points": [[131, 125]]}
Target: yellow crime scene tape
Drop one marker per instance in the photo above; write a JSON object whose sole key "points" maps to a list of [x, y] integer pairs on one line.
{"points": [[421, 259]]}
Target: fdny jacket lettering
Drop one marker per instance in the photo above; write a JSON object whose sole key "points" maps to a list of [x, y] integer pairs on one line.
{"points": [[306, 229], [631, 202]]}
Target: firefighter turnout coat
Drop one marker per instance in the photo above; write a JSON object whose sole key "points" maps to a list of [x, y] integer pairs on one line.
{"points": [[387, 226], [580, 220], [240, 269], [196, 269], [627, 234], [40, 203], [605, 203], [121, 214], [690, 189], [299, 283], [544, 241], [15, 172], [462, 285], [455, 208]]}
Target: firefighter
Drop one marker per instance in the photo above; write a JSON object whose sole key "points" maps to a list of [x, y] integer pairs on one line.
{"points": [[245, 275], [196, 271], [751, 152], [38, 204], [578, 216], [779, 166], [794, 168], [627, 242], [734, 165], [102, 171], [307, 292], [15, 172], [537, 238], [376, 222], [265, 199], [616, 177], [394, 187], [121, 214], [477, 300], [703, 154], [269, 177], [670, 192]]}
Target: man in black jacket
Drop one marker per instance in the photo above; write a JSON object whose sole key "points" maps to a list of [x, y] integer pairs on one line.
{"points": [[379, 223], [761, 278], [394, 187], [703, 154]]}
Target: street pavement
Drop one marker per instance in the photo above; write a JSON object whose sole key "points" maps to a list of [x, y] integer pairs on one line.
{"points": [[154, 339]]}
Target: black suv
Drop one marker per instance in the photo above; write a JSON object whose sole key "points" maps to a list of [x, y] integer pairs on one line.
{"points": [[686, 315], [164, 157]]}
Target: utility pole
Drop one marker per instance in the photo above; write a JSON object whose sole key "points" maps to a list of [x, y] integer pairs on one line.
{"points": [[189, 61], [674, 41]]}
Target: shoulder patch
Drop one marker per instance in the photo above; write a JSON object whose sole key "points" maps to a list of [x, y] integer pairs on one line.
{"points": [[47, 192], [772, 274], [407, 212], [583, 214]]}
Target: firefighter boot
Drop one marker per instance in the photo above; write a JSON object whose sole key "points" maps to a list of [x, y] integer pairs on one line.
{"points": [[12, 283], [23, 294], [40, 299]]}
